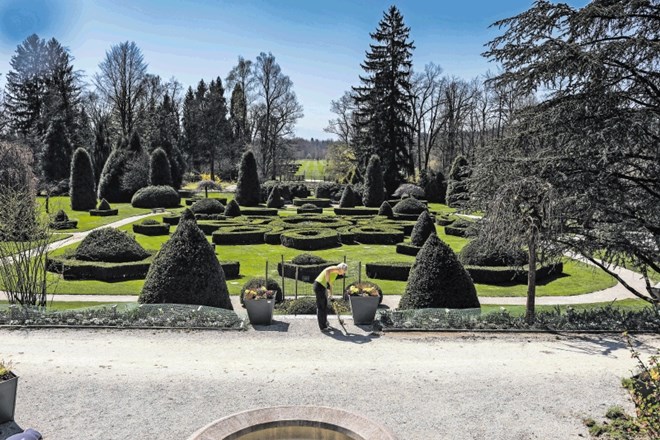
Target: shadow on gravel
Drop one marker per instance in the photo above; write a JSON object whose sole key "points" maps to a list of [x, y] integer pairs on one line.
{"points": [[600, 345], [354, 338], [275, 326], [8, 429]]}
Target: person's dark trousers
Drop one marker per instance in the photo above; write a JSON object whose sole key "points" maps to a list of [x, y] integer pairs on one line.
{"points": [[321, 304]]}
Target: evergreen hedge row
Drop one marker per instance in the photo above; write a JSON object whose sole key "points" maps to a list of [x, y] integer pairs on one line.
{"points": [[72, 269], [240, 235], [310, 239]]}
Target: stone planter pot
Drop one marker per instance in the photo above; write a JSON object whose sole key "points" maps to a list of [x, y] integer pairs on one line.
{"points": [[8, 399], [260, 311], [363, 309]]}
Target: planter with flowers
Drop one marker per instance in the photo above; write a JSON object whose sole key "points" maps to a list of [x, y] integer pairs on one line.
{"points": [[364, 298], [8, 384], [260, 303]]}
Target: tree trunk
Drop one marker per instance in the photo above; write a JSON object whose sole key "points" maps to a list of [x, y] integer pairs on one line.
{"points": [[531, 277]]}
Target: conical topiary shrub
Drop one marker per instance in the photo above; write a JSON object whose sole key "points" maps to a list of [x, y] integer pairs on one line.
{"points": [[248, 189], [386, 210], [232, 209], [186, 270], [438, 280], [104, 205], [422, 229], [457, 190], [160, 171], [82, 184], [348, 198], [275, 198], [373, 183]]}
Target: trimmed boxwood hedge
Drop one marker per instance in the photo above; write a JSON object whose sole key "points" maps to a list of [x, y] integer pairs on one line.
{"points": [[377, 234], [356, 211], [346, 236], [62, 221], [444, 220], [208, 206], [511, 275], [409, 206], [100, 212], [240, 235], [190, 202], [306, 272], [386, 210], [172, 220], [320, 203], [480, 253], [406, 248], [151, 197], [310, 239], [389, 270], [110, 245], [405, 225], [208, 227], [438, 280], [232, 269], [72, 269], [186, 270], [311, 221], [274, 236], [259, 211], [210, 217], [410, 190], [232, 209], [270, 284], [309, 208], [151, 229]]}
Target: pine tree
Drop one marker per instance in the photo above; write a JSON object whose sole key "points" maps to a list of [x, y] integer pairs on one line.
{"points": [[382, 101], [159, 168], [217, 126], [373, 183], [82, 187], [56, 157], [248, 190]]}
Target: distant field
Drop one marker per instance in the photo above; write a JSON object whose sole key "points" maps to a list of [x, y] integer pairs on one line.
{"points": [[312, 169]]}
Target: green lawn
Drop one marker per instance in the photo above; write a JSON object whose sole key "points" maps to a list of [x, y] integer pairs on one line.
{"points": [[86, 221], [312, 169], [577, 279]]}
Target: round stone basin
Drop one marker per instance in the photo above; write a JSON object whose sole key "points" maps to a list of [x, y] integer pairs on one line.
{"points": [[294, 423]]}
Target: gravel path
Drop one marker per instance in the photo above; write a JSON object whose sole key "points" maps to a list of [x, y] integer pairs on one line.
{"points": [[112, 384]]}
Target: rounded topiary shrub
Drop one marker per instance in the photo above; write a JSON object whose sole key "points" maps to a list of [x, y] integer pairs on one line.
{"points": [[310, 239], [309, 208], [271, 284], [275, 199], [186, 270], [151, 227], [348, 198], [160, 171], [409, 206], [82, 186], [328, 190], [479, 253], [207, 206], [374, 189], [61, 221], [386, 210], [438, 280], [232, 209], [410, 190], [248, 190], [161, 196], [110, 245], [423, 228], [303, 259]]}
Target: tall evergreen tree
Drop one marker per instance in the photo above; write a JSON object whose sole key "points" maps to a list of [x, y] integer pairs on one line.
{"points": [[217, 126], [373, 183], [383, 99], [102, 147], [159, 168], [56, 157], [82, 187], [457, 191], [167, 135]]}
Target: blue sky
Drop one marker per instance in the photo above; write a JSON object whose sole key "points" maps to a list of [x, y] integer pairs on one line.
{"points": [[319, 44]]}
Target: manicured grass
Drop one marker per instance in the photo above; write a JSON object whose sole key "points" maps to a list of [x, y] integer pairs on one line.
{"points": [[312, 169], [7, 247], [577, 279], [86, 221]]}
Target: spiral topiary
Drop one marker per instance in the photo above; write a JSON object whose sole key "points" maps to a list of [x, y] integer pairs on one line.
{"points": [[186, 270]]}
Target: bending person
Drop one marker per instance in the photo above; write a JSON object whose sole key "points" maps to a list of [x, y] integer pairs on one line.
{"points": [[323, 290]]}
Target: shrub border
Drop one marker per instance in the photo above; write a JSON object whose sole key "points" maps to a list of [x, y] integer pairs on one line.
{"points": [[319, 202], [151, 230], [72, 269], [295, 238], [239, 235], [103, 212]]}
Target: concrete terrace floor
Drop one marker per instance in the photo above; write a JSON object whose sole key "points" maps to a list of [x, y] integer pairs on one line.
{"points": [[130, 384]]}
